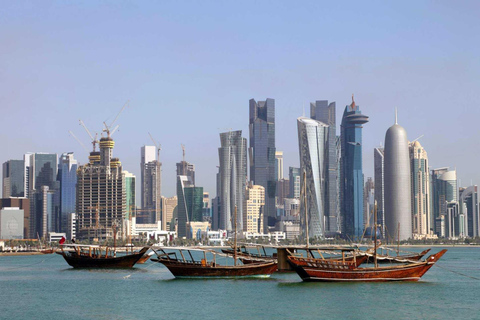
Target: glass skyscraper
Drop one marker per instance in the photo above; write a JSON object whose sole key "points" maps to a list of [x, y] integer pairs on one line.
{"points": [[190, 204], [323, 111], [13, 179], [262, 153], [294, 182], [351, 171], [67, 175], [378, 158], [313, 147], [232, 178]]}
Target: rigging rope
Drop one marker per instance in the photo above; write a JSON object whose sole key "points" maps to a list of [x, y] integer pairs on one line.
{"points": [[29, 265], [459, 273]]}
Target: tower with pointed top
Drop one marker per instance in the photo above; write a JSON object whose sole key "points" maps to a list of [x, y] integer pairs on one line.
{"points": [[351, 171], [398, 205]]}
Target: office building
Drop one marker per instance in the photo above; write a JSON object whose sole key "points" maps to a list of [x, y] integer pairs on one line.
{"points": [[11, 223], [130, 199], [185, 168], [232, 178], [445, 202], [279, 165], [13, 181], [283, 190], [150, 169], [190, 204], [294, 182], [207, 210], [398, 192], [469, 212], [254, 204], [378, 159], [323, 111], [420, 177], [262, 153], [351, 171], [169, 205], [21, 204], [369, 204], [313, 146], [67, 176]]}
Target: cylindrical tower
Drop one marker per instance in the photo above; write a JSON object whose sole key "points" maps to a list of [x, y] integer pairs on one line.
{"points": [[106, 147], [398, 206]]}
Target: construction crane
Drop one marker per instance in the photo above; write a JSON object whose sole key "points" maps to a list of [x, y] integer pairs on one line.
{"points": [[78, 140], [94, 140], [109, 127], [183, 162], [157, 145]]}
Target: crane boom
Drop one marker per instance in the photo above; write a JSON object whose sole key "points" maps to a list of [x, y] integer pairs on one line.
{"points": [[107, 127], [85, 127], [78, 140]]}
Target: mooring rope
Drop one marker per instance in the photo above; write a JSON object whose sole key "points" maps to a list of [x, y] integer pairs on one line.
{"points": [[459, 273], [29, 265], [129, 275]]}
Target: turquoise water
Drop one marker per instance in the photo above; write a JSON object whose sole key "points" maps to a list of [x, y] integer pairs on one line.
{"points": [[45, 287]]}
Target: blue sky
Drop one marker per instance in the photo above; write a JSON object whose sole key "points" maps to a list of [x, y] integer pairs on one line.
{"points": [[190, 67]]}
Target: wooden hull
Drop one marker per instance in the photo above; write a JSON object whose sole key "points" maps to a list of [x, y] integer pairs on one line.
{"points": [[186, 269], [349, 262], [85, 261], [407, 272]]}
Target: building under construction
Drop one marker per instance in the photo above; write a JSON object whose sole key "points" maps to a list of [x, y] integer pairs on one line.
{"points": [[101, 197]]}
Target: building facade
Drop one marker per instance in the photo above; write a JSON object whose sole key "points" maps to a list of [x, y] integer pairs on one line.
{"points": [[254, 205], [378, 159], [13, 181], [325, 112], [262, 153], [351, 171], [469, 212], [313, 147], [294, 182], [67, 175]]}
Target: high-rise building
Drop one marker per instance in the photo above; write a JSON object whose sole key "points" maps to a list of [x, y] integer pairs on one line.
{"points": [[190, 204], [130, 199], [185, 168], [254, 204], [438, 200], [398, 192], [323, 111], [206, 211], [420, 177], [294, 182], [313, 147], [445, 202], [101, 197], [67, 175], [279, 165], [151, 172], [168, 207], [351, 171], [283, 190], [232, 178], [369, 204], [262, 153], [469, 212], [378, 159], [44, 211], [13, 183]]}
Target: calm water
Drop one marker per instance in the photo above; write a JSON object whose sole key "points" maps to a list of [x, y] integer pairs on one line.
{"points": [[45, 287]]}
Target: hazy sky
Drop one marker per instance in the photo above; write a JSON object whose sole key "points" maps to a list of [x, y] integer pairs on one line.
{"points": [[190, 67]]}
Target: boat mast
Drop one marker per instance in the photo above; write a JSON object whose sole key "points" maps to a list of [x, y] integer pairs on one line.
{"points": [[305, 206], [235, 237], [375, 235], [398, 239]]}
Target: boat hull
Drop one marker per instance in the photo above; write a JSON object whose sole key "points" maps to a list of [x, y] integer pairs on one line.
{"points": [[81, 261], [408, 272], [181, 269]]}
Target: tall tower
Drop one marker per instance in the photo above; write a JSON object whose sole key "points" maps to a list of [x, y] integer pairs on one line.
{"points": [[13, 179], [67, 174], [262, 153], [351, 171], [378, 159], [313, 147], [323, 111], [398, 205], [420, 191], [151, 186], [232, 178]]}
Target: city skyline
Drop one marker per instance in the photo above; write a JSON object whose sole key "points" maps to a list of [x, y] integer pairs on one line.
{"points": [[57, 70]]}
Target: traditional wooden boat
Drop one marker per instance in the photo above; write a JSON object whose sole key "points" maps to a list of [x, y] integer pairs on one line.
{"points": [[247, 256], [145, 257], [328, 271], [351, 260], [399, 258], [180, 266], [95, 256]]}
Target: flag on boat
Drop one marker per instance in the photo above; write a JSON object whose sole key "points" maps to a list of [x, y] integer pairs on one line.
{"points": [[62, 241]]}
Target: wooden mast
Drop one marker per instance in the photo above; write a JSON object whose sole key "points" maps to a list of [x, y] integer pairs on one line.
{"points": [[235, 237], [398, 239], [375, 235]]}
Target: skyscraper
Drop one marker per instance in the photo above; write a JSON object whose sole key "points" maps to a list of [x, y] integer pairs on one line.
{"points": [[254, 204], [369, 204], [378, 158], [13, 179], [130, 198], [190, 204], [67, 175], [323, 111], [420, 177], [438, 200], [398, 203], [232, 178], [101, 198], [445, 202], [150, 169], [294, 182], [185, 168], [262, 153], [168, 207], [313, 147], [278, 165], [351, 171], [469, 211]]}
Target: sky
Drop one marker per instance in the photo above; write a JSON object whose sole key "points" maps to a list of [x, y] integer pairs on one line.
{"points": [[189, 68]]}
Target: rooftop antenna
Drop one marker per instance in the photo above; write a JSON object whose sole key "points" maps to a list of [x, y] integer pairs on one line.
{"points": [[183, 162], [396, 116]]}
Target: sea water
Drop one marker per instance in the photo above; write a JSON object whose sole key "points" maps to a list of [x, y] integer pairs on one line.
{"points": [[45, 287]]}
